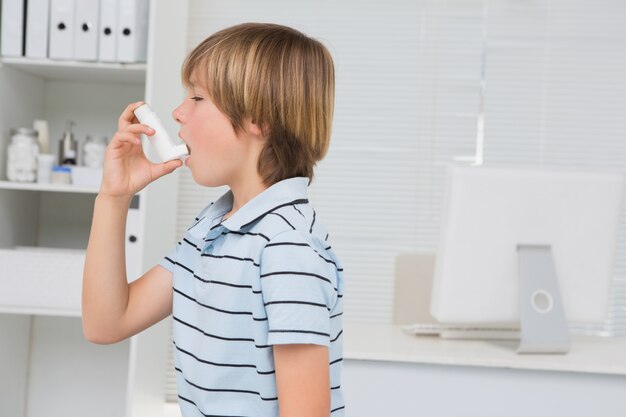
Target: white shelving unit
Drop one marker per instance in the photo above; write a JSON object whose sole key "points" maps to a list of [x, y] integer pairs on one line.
{"points": [[59, 188], [80, 71], [47, 366]]}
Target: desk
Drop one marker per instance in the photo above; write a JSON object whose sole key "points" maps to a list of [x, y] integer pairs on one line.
{"points": [[390, 373]]}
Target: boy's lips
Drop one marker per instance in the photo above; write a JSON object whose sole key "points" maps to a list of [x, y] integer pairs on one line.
{"points": [[183, 139]]}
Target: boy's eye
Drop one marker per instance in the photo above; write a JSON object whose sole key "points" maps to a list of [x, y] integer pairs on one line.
{"points": [[196, 98]]}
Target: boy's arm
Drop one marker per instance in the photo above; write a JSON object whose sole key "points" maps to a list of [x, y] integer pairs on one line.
{"points": [[299, 288], [302, 380], [112, 309]]}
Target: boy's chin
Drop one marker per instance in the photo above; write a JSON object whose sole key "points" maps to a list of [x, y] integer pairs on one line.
{"points": [[205, 180]]}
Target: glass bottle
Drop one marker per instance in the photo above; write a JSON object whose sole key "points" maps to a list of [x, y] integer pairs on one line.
{"points": [[22, 155], [93, 151], [68, 146]]}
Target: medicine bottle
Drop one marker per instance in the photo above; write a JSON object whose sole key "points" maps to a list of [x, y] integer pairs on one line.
{"points": [[93, 151], [68, 146], [22, 155]]}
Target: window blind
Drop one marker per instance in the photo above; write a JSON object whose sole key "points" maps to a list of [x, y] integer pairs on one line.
{"points": [[556, 96], [416, 83], [367, 189]]}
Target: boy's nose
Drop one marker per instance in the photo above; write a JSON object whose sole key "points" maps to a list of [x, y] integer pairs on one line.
{"points": [[178, 114]]}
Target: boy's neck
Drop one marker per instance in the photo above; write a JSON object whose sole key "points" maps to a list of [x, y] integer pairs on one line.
{"points": [[244, 192], [247, 184]]}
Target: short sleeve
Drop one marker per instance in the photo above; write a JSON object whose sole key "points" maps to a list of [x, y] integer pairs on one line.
{"points": [[169, 261], [299, 289]]}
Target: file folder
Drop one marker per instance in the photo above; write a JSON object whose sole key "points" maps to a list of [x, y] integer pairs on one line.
{"points": [[62, 29], [132, 34], [86, 34], [107, 35], [133, 244], [12, 28], [37, 20]]}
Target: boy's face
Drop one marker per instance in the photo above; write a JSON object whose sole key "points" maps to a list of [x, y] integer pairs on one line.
{"points": [[217, 155]]}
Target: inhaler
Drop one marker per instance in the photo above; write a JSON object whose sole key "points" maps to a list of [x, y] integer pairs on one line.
{"points": [[166, 149]]}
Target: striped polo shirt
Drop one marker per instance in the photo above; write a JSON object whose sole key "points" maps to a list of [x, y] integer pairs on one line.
{"points": [[265, 276]]}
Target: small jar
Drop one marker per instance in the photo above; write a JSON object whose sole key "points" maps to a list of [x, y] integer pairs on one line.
{"points": [[61, 174], [45, 162], [93, 151], [22, 155]]}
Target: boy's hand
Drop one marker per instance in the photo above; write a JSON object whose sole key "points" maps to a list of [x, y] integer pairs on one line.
{"points": [[126, 168]]}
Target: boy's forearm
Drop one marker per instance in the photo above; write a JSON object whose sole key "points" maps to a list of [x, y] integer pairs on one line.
{"points": [[105, 285]]}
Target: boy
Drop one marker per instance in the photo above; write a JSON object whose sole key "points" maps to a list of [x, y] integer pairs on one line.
{"points": [[254, 287]]}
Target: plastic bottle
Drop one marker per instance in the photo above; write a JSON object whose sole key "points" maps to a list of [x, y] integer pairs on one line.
{"points": [[68, 147], [93, 151], [165, 147], [43, 135], [22, 155]]}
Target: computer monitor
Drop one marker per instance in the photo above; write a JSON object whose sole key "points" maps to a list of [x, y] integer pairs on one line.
{"points": [[489, 212]]}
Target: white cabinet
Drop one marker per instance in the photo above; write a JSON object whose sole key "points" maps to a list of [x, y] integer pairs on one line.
{"points": [[388, 372], [375, 388], [46, 365]]}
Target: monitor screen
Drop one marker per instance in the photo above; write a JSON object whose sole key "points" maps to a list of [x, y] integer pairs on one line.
{"points": [[489, 211]]}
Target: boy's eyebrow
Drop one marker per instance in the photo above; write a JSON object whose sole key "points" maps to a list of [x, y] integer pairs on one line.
{"points": [[194, 85]]}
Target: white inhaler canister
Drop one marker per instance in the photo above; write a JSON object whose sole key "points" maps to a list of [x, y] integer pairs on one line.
{"points": [[164, 146]]}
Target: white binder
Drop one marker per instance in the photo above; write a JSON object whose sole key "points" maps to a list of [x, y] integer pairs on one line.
{"points": [[107, 37], [86, 34], [132, 34], [62, 29], [12, 28], [37, 20], [133, 244]]}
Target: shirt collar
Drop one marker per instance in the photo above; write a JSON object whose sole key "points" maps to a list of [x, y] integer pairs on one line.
{"points": [[285, 192]]}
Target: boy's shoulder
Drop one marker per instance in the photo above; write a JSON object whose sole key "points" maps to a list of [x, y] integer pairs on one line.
{"points": [[282, 211], [298, 221]]}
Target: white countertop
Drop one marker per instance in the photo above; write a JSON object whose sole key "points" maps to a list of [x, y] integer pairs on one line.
{"points": [[384, 342], [389, 343]]}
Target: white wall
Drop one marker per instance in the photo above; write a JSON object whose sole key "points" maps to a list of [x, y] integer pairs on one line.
{"points": [[410, 77]]}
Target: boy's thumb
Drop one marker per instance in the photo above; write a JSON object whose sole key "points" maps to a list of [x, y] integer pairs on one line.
{"points": [[166, 168]]}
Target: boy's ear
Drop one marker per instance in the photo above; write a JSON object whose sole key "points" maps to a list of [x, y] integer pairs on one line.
{"points": [[258, 130]]}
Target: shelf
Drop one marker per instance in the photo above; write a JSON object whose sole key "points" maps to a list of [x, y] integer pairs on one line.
{"points": [[79, 71], [45, 281], [34, 186]]}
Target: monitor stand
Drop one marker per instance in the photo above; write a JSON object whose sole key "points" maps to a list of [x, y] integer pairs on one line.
{"points": [[543, 328]]}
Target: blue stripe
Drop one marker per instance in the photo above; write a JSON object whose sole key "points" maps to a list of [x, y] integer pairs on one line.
{"points": [[308, 274], [228, 365], [300, 331], [249, 313], [200, 411], [238, 391]]}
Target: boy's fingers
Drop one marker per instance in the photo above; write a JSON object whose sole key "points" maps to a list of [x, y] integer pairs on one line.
{"points": [[158, 170], [131, 132], [139, 128], [121, 137], [128, 115]]}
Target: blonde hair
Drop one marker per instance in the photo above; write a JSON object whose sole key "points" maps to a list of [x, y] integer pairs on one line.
{"points": [[281, 79]]}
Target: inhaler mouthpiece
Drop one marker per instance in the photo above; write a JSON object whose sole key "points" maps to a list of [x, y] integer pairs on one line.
{"points": [[164, 146]]}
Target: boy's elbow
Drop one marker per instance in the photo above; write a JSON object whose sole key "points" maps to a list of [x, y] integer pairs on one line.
{"points": [[97, 339], [97, 336]]}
